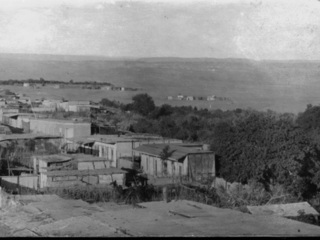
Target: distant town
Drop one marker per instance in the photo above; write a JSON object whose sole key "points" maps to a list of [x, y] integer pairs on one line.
{"points": [[181, 97], [38, 83]]}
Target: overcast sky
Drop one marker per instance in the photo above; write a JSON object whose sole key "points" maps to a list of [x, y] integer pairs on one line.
{"points": [[256, 29]]}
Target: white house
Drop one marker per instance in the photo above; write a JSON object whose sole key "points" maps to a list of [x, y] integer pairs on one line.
{"points": [[190, 98], [211, 98], [180, 97]]}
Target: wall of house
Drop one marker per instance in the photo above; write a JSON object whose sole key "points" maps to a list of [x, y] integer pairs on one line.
{"points": [[65, 181], [61, 128], [107, 151], [124, 163], [123, 149], [153, 166], [93, 165]]}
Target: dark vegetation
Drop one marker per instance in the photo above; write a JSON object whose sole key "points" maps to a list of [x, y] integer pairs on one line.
{"points": [[268, 147]]}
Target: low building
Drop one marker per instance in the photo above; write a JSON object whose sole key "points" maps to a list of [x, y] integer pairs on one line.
{"points": [[108, 88], [180, 97], [184, 161], [51, 103], [114, 147], [4, 111], [43, 163], [64, 128], [77, 106], [96, 177], [190, 98], [211, 98], [26, 84], [85, 162], [170, 98]]}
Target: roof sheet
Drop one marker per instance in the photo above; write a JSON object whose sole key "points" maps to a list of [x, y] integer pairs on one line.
{"points": [[21, 169], [178, 151], [104, 171], [284, 210]]}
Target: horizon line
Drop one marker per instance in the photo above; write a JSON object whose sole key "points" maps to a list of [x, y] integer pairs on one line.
{"points": [[156, 57]]}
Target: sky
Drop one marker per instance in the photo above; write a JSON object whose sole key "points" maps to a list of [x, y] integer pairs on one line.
{"points": [[255, 29]]}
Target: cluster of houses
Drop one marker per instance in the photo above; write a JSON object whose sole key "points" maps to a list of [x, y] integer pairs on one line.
{"points": [[192, 98], [69, 151], [14, 103]]}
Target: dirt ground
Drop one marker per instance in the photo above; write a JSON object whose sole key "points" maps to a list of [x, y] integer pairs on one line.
{"points": [[52, 216]]}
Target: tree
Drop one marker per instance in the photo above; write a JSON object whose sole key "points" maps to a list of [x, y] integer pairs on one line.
{"points": [[164, 155], [268, 148], [143, 104]]}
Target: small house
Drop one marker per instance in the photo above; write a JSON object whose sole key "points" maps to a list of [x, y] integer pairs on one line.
{"points": [[97, 177], [180, 97], [189, 161], [211, 98], [190, 98], [170, 98], [64, 128]]}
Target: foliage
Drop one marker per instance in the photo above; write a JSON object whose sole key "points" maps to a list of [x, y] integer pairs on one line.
{"points": [[267, 147], [143, 104], [164, 155], [309, 119], [109, 103]]}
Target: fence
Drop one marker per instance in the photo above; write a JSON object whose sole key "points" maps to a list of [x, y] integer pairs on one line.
{"points": [[25, 183]]}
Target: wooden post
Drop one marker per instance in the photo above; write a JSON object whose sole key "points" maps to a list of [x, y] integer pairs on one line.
{"points": [[0, 198], [165, 194]]}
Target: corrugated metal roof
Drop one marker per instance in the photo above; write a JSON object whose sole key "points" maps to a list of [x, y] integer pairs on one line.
{"points": [[5, 137], [104, 171], [179, 152], [78, 157], [54, 158]]}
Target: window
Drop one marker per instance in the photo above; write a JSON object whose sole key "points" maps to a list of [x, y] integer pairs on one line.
{"points": [[147, 163]]}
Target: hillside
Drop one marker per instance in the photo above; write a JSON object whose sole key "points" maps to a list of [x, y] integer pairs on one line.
{"points": [[278, 85]]}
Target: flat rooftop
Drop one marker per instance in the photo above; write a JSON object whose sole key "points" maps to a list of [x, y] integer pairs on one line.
{"points": [[121, 138], [79, 157], [71, 121], [54, 158], [178, 151], [103, 171]]}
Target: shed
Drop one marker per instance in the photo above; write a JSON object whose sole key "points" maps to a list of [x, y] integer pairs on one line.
{"points": [[184, 161]]}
